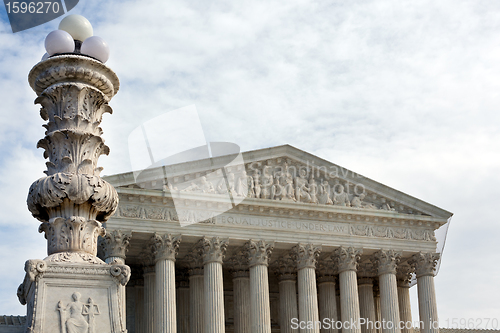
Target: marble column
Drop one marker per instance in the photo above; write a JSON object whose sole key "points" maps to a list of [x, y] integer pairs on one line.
{"points": [[347, 262], [286, 271], [425, 266], [115, 246], [149, 290], [182, 294], [165, 248], [327, 295], [376, 297], [238, 266], [139, 307], [196, 291], [305, 256], [386, 262], [213, 251], [367, 304], [403, 276], [258, 253]]}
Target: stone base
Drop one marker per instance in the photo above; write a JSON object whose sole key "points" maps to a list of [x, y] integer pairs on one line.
{"points": [[69, 297]]}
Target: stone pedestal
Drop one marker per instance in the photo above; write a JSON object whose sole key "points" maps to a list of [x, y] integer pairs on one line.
{"points": [[61, 296]]}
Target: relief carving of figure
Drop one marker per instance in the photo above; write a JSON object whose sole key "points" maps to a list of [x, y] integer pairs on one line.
{"points": [[340, 198], [76, 322], [204, 187], [277, 192], [256, 181], [245, 186], [267, 182], [357, 202], [287, 183], [324, 193], [301, 188], [231, 184], [313, 189]]}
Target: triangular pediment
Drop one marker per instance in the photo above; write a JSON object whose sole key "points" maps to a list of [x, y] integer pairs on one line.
{"points": [[283, 173]]}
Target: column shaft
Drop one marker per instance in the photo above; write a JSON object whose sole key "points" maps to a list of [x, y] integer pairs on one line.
{"points": [[149, 301], [349, 301], [308, 298], [367, 307], [389, 303], [196, 303], [328, 305], [260, 309], [183, 309], [427, 306], [241, 289], [288, 305], [214, 298], [139, 309], [165, 307], [404, 308]]}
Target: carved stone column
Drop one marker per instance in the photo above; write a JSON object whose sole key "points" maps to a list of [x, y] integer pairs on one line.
{"points": [[425, 266], [182, 294], [214, 250], [238, 265], [72, 201], [139, 306], [305, 256], [149, 290], [366, 273], [403, 276], [347, 263], [286, 271], [386, 262], [258, 253], [196, 291], [327, 276], [115, 246], [376, 298], [165, 248]]}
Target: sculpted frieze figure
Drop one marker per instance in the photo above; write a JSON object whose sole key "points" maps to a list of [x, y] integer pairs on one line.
{"points": [[266, 182], [301, 187], [257, 186], [324, 193], [313, 190], [277, 191], [72, 318], [340, 197]]}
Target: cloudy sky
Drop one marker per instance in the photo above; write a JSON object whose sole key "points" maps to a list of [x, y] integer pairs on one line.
{"points": [[406, 93]]}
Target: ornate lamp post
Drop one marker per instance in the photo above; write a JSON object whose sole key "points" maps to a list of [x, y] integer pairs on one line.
{"points": [[72, 289]]}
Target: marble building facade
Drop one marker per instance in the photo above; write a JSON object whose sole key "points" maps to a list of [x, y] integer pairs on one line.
{"points": [[281, 241]]}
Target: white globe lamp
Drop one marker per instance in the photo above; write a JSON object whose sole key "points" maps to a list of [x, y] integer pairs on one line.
{"points": [[59, 41], [96, 47], [77, 26]]}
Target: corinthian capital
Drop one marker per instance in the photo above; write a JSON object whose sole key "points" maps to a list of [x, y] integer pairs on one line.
{"points": [[326, 270], [424, 263], [258, 252], [403, 274], [305, 255], [115, 243], [195, 261], [285, 268], [165, 247], [148, 259], [213, 249], [238, 264], [386, 261], [347, 258]]}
